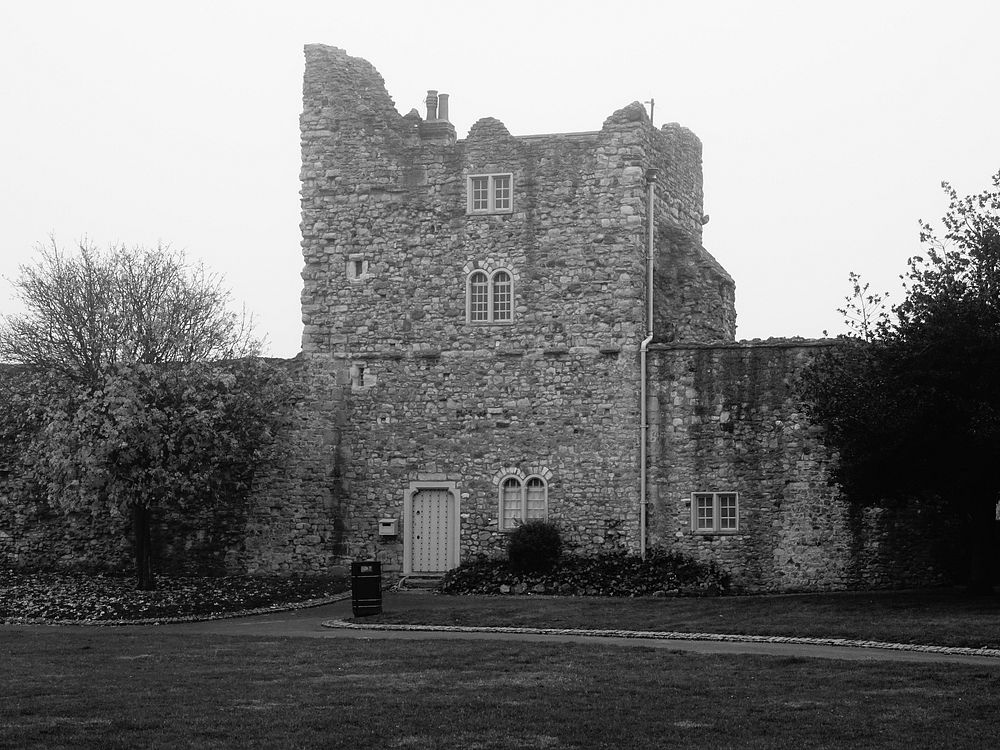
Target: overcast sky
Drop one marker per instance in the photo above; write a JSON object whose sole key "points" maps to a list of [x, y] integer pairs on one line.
{"points": [[827, 127]]}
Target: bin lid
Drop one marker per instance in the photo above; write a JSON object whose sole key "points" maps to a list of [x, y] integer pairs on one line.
{"points": [[366, 566]]}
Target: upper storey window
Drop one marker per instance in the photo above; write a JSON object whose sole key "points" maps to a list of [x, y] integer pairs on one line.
{"points": [[490, 297], [491, 194]]}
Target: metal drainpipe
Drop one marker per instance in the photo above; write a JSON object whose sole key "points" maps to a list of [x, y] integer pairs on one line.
{"points": [[651, 175]]}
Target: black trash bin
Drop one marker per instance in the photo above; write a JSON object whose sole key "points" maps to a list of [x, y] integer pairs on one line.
{"points": [[366, 588]]}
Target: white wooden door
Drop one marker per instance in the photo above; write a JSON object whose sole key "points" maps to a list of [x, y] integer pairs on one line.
{"points": [[431, 530]]}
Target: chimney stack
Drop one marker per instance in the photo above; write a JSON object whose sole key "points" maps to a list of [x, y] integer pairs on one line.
{"points": [[436, 128]]}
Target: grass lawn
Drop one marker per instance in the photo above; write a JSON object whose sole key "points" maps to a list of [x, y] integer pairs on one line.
{"points": [[937, 617], [127, 689]]}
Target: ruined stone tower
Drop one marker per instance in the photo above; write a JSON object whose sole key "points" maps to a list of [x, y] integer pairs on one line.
{"points": [[486, 298]]}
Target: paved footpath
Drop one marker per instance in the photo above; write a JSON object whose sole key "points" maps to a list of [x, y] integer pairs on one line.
{"points": [[327, 621]]}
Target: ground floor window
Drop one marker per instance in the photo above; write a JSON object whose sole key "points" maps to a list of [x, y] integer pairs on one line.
{"points": [[715, 512], [522, 500]]}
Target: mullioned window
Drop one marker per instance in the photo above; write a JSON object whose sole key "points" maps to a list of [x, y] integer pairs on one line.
{"points": [[522, 500], [490, 194], [522, 495], [715, 512], [490, 297]]}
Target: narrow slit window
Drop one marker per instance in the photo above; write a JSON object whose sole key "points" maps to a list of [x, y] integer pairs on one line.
{"points": [[357, 268], [357, 376]]}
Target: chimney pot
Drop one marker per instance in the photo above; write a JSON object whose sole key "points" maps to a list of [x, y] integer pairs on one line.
{"points": [[443, 107], [432, 104]]}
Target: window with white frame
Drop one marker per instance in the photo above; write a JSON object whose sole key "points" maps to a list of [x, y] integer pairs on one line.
{"points": [[490, 297], [490, 194], [522, 500], [715, 512]]}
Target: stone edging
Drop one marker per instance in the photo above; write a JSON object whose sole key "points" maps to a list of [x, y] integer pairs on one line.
{"points": [[674, 636], [187, 618]]}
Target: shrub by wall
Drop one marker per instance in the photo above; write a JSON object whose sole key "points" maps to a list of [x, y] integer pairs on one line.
{"points": [[534, 547], [611, 574]]}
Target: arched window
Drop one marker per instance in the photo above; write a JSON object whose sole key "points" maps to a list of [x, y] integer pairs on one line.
{"points": [[490, 297], [522, 501]]}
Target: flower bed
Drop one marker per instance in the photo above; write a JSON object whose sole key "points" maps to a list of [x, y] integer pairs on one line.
{"points": [[613, 574]]}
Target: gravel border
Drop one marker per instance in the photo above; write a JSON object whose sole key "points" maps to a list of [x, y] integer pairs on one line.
{"points": [[674, 636], [309, 603]]}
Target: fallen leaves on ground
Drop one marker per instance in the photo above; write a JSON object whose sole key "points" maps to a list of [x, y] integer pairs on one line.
{"points": [[78, 597]]}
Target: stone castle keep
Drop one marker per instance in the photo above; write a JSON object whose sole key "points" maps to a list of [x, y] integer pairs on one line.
{"points": [[478, 351]]}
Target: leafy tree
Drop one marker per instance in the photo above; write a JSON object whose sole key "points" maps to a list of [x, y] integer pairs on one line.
{"points": [[911, 400], [141, 391]]}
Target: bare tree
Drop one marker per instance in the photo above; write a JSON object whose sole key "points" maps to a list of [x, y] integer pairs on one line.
{"points": [[90, 312]]}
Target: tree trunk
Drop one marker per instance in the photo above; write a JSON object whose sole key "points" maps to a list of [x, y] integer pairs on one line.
{"points": [[144, 580], [982, 546]]}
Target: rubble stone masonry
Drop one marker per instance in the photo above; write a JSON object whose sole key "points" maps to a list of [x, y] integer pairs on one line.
{"points": [[725, 418], [389, 243]]}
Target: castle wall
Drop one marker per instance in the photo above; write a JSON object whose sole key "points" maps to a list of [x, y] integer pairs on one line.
{"points": [[292, 520], [295, 517], [726, 419], [35, 535]]}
